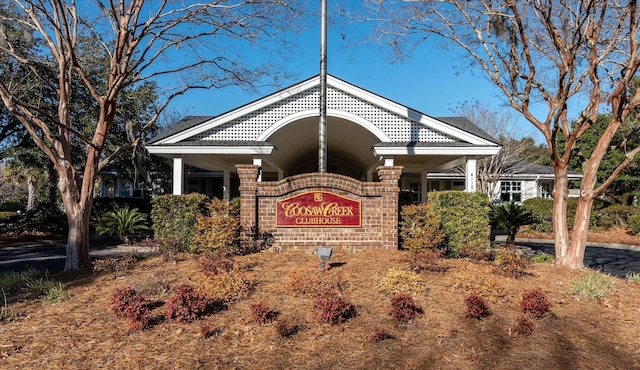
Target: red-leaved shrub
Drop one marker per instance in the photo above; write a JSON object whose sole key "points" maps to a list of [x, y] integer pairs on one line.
{"points": [[404, 308], [476, 306], [523, 326], [186, 304], [333, 310], [535, 302], [261, 314], [380, 334], [126, 303]]}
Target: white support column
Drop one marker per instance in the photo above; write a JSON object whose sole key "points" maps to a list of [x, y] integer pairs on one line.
{"points": [[388, 161], [423, 187], [226, 185], [470, 175], [258, 162], [178, 175]]}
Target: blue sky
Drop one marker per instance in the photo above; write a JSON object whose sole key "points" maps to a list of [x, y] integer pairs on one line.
{"points": [[428, 82]]}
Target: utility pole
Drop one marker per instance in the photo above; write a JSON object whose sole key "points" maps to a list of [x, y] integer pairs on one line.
{"points": [[322, 151]]}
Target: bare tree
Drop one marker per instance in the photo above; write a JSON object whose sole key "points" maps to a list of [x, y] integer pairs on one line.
{"points": [[513, 156], [558, 63], [192, 45]]}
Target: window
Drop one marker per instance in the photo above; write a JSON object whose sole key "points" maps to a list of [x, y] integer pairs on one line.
{"points": [[545, 190], [511, 191]]}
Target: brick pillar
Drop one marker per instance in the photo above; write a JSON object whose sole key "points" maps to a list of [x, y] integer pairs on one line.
{"points": [[248, 175], [389, 176]]}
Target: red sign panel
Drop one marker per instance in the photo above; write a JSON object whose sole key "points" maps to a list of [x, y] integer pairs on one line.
{"points": [[318, 209]]}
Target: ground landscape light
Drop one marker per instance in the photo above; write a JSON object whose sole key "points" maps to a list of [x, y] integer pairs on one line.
{"points": [[324, 254]]}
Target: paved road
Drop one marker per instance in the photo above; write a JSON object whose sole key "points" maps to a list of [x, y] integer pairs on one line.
{"points": [[614, 259], [49, 255]]}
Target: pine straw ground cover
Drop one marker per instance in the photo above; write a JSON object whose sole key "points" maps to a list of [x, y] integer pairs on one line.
{"points": [[81, 333]]}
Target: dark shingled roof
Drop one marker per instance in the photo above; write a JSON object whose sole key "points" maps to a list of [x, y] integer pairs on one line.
{"points": [[184, 124], [465, 125]]}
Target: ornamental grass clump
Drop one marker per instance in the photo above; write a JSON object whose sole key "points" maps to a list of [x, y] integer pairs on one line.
{"points": [[593, 285]]}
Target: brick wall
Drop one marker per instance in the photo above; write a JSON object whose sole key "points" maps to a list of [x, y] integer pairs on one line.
{"points": [[379, 205]]}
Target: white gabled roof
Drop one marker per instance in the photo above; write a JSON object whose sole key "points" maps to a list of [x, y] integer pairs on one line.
{"points": [[389, 121]]}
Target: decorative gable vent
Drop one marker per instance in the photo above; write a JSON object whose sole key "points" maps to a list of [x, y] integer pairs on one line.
{"points": [[251, 126]]}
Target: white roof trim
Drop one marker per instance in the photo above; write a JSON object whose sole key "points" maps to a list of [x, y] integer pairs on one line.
{"points": [[330, 113], [336, 83], [437, 150], [199, 149]]}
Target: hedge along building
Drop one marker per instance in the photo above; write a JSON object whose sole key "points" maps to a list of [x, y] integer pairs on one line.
{"points": [[267, 153]]}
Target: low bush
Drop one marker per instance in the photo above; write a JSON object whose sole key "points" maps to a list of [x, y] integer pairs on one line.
{"points": [[262, 314], [510, 217], [542, 210], [186, 304], [616, 216], [380, 334], [476, 307], [523, 326], [286, 329], [218, 229], [633, 223], [10, 280], [213, 264], [403, 308], [420, 227], [229, 286], [333, 310], [173, 216], [511, 263], [535, 302], [425, 260], [313, 283], [465, 220], [401, 281], [126, 303], [593, 285]]}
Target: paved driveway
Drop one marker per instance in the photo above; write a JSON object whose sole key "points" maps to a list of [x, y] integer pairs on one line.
{"points": [[50, 255]]}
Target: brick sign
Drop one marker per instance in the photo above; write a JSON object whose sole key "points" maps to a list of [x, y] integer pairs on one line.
{"points": [[318, 209]]}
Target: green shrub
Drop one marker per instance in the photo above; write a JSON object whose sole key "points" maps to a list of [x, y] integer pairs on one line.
{"points": [[123, 222], [465, 220], [218, 229], [593, 285], [633, 223], [510, 217], [511, 263], [420, 227], [542, 210], [174, 216], [616, 216], [542, 258]]}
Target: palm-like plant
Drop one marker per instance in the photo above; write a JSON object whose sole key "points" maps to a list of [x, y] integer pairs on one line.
{"points": [[510, 217], [123, 222]]}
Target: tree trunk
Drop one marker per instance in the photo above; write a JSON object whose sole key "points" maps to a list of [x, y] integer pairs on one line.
{"points": [[575, 256], [559, 210], [77, 242], [31, 195]]}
